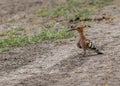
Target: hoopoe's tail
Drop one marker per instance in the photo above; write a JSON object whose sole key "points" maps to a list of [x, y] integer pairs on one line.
{"points": [[93, 47]]}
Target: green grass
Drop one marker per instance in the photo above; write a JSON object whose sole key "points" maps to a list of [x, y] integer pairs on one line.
{"points": [[9, 43], [98, 3], [117, 36], [12, 20], [48, 35], [83, 8]]}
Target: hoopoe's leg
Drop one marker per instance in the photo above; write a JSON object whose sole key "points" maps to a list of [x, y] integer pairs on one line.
{"points": [[84, 51], [92, 47]]}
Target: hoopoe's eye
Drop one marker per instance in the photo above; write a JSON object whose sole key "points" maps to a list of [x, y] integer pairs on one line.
{"points": [[72, 26]]}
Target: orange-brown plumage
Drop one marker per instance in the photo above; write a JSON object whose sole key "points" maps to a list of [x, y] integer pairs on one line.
{"points": [[83, 41]]}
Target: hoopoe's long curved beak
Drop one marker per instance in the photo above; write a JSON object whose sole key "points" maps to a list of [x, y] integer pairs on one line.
{"points": [[71, 30]]}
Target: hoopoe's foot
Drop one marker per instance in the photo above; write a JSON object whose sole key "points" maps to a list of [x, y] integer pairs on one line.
{"points": [[84, 54]]}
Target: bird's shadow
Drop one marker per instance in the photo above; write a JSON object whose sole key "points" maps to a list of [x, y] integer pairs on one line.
{"points": [[89, 55], [71, 62]]}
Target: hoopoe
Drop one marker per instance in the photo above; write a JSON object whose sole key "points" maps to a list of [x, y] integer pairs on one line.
{"points": [[84, 42]]}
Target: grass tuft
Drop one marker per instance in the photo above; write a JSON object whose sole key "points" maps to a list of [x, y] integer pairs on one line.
{"points": [[18, 41]]}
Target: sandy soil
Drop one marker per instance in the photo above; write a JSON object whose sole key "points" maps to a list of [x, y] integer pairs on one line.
{"points": [[63, 65]]}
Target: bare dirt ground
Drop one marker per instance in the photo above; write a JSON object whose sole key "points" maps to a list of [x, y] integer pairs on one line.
{"points": [[63, 65]]}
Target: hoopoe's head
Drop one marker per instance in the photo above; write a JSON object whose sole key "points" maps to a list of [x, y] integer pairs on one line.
{"points": [[79, 28]]}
